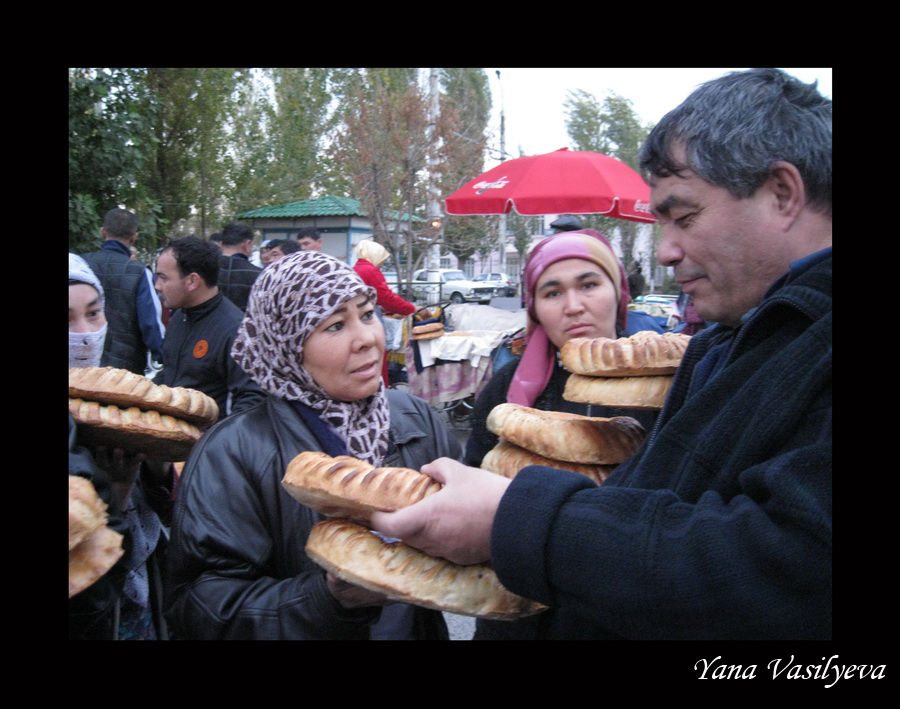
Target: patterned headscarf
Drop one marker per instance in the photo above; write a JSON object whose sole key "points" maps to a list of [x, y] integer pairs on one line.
{"points": [[539, 359], [289, 300]]}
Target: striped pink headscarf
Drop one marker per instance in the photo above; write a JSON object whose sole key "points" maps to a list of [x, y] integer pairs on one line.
{"points": [[539, 359]]}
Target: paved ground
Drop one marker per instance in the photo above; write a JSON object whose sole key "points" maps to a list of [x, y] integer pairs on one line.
{"points": [[460, 627]]}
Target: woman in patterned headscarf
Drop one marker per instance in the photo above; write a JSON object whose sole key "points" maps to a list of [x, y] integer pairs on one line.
{"points": [[311, 340], [574, 286]]}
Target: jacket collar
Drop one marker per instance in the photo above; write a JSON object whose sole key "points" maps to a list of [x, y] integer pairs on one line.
{"points": [[198, 312], [118, 246]]}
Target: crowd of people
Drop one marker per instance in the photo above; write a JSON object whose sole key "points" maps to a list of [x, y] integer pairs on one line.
{"points": [[718, 527]]}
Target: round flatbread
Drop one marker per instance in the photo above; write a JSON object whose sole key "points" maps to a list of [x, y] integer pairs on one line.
{"points": [[507, 459], [646, 353], [135, 431], [564, 436], [119, 387]]}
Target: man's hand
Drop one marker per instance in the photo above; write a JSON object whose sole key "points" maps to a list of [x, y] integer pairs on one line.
{"points": [[454, 523]]}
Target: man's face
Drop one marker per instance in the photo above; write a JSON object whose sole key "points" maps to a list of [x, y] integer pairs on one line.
{"points": [[726, 252], [170, 285], [266, 256], [307, 243]]}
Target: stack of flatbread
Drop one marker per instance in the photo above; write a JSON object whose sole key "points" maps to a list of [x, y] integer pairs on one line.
{"points": [[348, 490], [121, 409], [630, 372], [94, 548], [589, 445], [430, 331]]}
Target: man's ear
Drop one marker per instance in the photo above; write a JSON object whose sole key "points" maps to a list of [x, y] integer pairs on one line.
{"points": [[788, 190], [193, 281]]}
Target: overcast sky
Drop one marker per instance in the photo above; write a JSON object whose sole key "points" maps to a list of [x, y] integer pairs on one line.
{"points": [[533, 99]]}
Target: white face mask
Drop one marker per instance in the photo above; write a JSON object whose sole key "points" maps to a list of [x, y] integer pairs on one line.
{"points": [[85, 348]]}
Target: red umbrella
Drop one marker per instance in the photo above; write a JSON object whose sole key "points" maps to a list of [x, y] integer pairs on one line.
{"points": [[562, 182]]}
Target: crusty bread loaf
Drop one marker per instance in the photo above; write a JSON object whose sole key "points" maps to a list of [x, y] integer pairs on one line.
{"points": [[362, 557], [135, 431], [623, 392], [430, 327], [429, 335], [347, 487], [92, 558], [507, 459], [87, 512], [119, 387], [646, 353], [564, 436], [431, 331]]}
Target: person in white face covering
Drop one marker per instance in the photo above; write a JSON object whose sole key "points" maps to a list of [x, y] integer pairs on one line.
{"points": [[87, 321], [138, 491]]}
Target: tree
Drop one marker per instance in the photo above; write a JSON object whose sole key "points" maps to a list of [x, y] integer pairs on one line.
{"points": [[611, 128], [384, 147], [465, 109], [186, 173], [110, 115]]}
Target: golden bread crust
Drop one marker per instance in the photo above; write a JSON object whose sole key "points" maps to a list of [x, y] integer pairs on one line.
{"points": [[359, 556], [507, 459], [92, 558], [563, 436], [344, 486], [87, 512], [158, 435], [622, 392], [119, 387], [646, 353]]}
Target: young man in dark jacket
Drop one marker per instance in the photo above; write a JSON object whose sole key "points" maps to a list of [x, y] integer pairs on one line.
{"points": [[197, 348], [720, 527]]}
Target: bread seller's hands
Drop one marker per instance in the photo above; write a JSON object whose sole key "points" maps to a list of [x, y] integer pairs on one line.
{"points": [[456, 522], [122, 468]]}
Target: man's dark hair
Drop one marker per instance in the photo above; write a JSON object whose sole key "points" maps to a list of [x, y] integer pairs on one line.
{"points": [[734, 128], [217, 237], [287, 246], [196, 255], [120, 223], [236, 233], [309, 231]]}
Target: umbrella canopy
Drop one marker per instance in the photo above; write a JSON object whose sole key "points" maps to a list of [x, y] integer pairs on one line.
{"points": [[562, 182]]}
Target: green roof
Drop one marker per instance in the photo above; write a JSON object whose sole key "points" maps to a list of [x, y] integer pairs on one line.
{"points": [[321, 207]]}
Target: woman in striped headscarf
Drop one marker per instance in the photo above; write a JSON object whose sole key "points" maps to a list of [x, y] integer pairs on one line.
{"points": [[574, 286], [311, 341]]}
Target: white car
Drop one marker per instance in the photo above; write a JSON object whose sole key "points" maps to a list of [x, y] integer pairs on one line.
{"points": [[500, 281], [442, 284]]}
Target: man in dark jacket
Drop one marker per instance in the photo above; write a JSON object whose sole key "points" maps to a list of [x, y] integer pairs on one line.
{"points": [[132, 308], [197, 349], [720, 527], [236, 274]]}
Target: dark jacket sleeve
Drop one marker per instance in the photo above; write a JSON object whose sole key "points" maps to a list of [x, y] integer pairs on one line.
{"points": [[237, 565]]}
